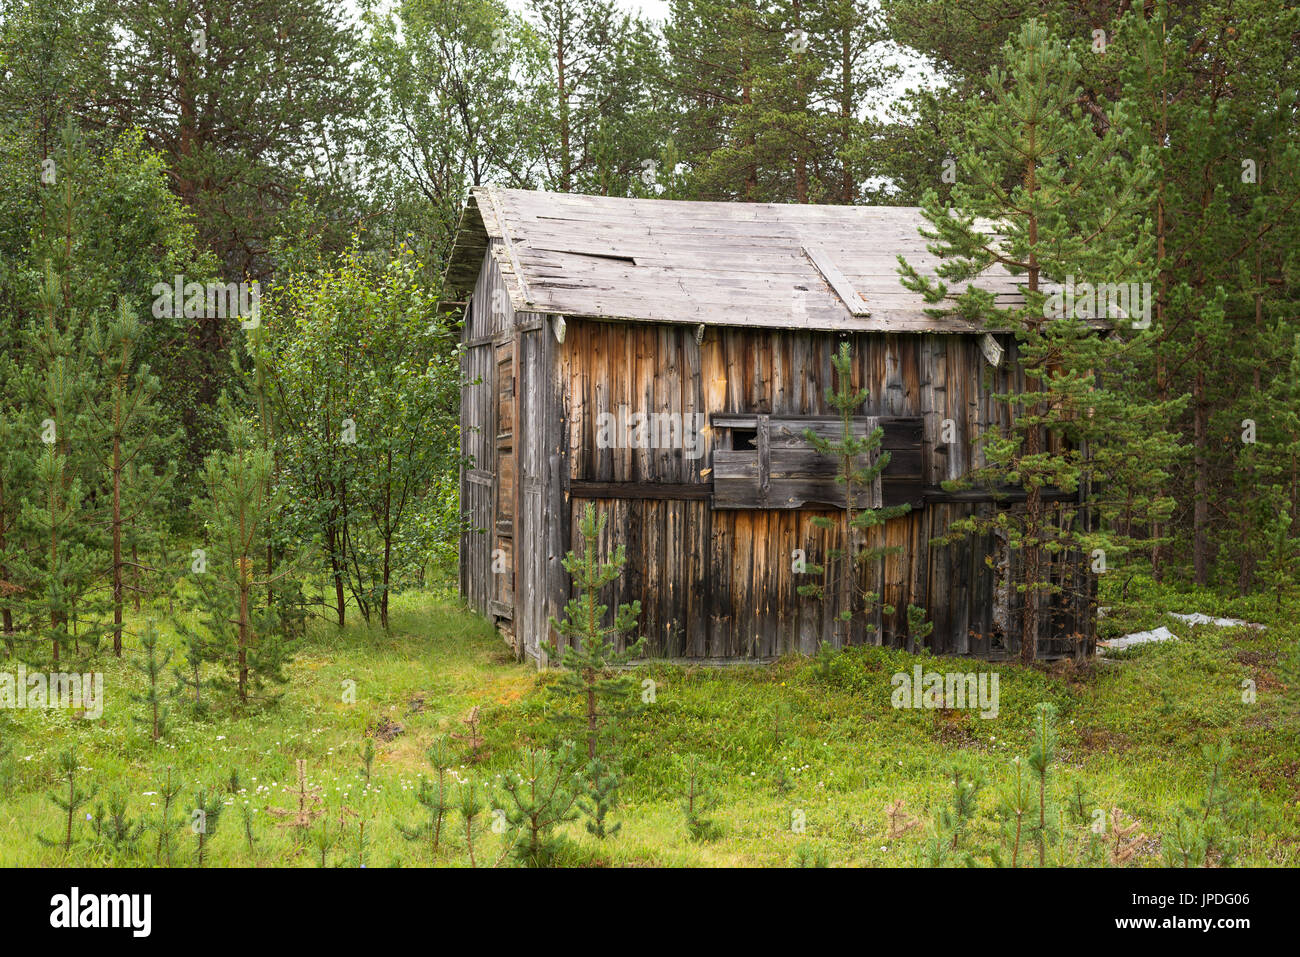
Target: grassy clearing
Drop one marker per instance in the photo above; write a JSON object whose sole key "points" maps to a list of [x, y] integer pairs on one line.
{"points": [[776, 740]]}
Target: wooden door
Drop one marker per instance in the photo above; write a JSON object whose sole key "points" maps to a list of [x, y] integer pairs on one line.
{"points": [[503, 526]]}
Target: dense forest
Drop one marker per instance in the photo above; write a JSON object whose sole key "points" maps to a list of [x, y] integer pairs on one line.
{"points": [[231, 371], [225, 223]]}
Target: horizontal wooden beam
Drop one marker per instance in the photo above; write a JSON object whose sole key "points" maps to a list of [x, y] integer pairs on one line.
{"points": [[939, 495], [694, 491]]}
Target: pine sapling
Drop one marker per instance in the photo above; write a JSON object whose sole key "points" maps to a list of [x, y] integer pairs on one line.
{"points": [[247, 812], [165, 825], [74, 801], [151, 663], [600, 798], [699, 799], [204, 814], [591, 660], [1201, 836], [1015, 804], [595, 690], [323, 839], [825, 659], [1041, 755], [953, 819], [120, 831], [189, 679], [541, 798], [471, 807], [433, 797]]}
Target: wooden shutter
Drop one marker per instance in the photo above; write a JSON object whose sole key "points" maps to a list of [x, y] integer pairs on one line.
{"points": [[786, 471]]}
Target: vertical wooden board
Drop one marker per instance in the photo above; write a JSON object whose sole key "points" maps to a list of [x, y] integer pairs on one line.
{"points": [[689, 401], [742, 579], [895, 390], [732, 371], [981, 607], [937, 590], [897, 535], [779, 351], [961, 589], [634, 584], [918, 564], [697, 588], [930, 448], [805, 618], [646, 401], [640, 539], [670, 402], [680, 555], [606, 371], [668, 587], [721, 609], [558, 506], [765, 636]]}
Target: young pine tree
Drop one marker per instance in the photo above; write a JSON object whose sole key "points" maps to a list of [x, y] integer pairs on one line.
{"points": [[244, 638], [860, 466], [542, 797], [152, 663], [594, 690], [1044, 818], [58, 567], [127, 427], [1041, 195], [434, 798], [75, 799]]}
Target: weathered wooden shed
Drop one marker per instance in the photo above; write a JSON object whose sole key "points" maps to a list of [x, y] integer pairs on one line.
{"points": [[716, 323]]}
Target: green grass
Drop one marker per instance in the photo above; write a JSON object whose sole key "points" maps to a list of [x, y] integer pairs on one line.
{"points": [[1130, 732]]}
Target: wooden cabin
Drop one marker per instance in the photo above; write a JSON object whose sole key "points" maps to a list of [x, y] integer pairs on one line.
{"points": [[661, 360]]}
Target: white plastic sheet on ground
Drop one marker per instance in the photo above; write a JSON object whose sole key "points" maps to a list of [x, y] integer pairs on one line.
{"points": [[1164, 634], [1138, 638]]}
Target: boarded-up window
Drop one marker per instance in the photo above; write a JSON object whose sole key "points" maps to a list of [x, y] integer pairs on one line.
{"points": [[765, 461]]}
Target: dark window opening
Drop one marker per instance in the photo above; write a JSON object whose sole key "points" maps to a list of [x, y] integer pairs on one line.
{"points": [[744, 440]]}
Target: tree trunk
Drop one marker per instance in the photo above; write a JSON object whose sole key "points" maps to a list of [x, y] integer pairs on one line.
{"points": [[117, 540], [1200, 481]]}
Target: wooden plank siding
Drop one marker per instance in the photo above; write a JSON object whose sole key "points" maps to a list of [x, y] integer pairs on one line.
{"points": [[720, 583]]}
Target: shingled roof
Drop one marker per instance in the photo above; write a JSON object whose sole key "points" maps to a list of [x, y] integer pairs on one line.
{"points": [[733, 264]]}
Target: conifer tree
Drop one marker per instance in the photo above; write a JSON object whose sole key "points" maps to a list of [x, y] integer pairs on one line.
{"points": [[433, 797], [58, 568], [125, 418], [152, 663], [119, 829], [165, 824], [860, 465], [17, 467], [243, 639], [75, 799], [1040, 194], [1044, 819], [591, 659], [698, 800], [541, 797], [593, 686], [204, 815]]}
